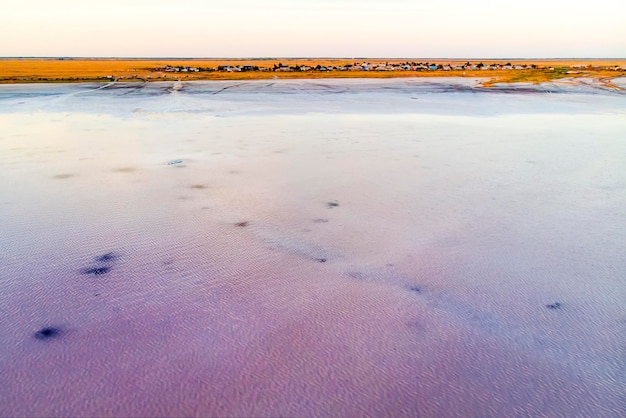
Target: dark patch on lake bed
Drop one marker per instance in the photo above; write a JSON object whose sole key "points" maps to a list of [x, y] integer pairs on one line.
{"points": [[96, 271], [242, 224], [104, 264], [357, 275], [47, 333], [332, 204], [106, 258]]}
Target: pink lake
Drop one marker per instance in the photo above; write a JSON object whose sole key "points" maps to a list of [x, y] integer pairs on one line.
{"points": [[380, 248]]}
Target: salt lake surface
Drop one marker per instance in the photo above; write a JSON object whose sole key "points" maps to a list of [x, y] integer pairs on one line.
{"points": [[317, 248]]}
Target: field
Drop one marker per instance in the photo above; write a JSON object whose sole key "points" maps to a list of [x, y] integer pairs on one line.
{"points": [[46, 70]]}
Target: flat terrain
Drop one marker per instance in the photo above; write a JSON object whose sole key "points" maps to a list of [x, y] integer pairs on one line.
{"points": [[46, 70]]}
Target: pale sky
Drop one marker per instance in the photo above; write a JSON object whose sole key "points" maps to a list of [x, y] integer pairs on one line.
{"points": [[320, 28]]}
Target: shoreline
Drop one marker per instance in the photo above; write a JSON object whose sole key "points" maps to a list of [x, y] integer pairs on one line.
{"points": [[58, 70], [481, 82]]}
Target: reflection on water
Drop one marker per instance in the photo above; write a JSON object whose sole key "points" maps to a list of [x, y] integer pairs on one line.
{"points": [[313, 253]]}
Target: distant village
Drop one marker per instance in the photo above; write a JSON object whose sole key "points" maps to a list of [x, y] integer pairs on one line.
{"points": [[367, 66]]}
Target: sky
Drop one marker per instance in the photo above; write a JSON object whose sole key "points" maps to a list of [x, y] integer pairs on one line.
{"points": [[320, 28]]}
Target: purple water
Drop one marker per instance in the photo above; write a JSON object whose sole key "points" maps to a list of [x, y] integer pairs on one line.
{"points": [[324, 248]]}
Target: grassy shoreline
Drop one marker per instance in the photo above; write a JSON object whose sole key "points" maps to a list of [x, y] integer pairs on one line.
{"points": [[56, 70]]}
